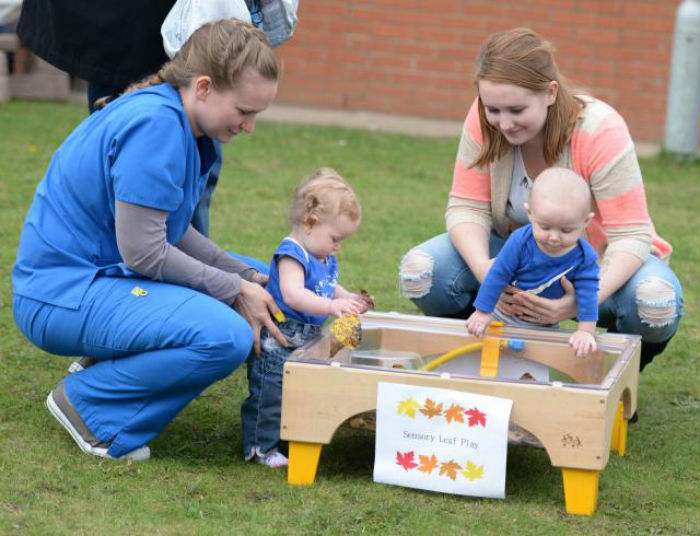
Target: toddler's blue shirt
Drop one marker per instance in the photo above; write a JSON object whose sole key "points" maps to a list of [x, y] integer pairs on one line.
{"points": [[521, 260], [320, 277]]}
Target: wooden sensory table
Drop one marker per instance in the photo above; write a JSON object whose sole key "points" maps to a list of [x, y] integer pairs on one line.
{"points": [[578, 415]]}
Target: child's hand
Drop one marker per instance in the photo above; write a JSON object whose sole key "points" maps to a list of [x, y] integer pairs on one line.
{"points": [[478, 323], [365, 300], [583, 343], [345, 306]]}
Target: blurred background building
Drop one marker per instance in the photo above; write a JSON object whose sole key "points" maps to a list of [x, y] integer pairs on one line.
{"points": [[415, 57]]}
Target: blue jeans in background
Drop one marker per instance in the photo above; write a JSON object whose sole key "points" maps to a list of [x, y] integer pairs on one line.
{"points": [[449, 289]]}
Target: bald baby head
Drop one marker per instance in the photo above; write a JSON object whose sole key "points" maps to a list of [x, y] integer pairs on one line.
{"points": [[562, 188]]}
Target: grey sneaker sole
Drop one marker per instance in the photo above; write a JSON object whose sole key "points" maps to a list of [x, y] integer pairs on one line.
{"points": [[139, 454]]}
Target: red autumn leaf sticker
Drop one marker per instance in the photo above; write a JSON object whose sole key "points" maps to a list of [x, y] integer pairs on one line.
{"points": [[431, 409], [427, 464], [450, 469], [476, 417], [454, 413], [405, 460]]}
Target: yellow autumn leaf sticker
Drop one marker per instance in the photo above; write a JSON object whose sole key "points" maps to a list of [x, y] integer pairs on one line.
{"points": [[408, 408], [473, 472]]}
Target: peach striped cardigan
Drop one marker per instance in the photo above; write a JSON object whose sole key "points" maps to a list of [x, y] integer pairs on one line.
{"points": [[600, 150]]}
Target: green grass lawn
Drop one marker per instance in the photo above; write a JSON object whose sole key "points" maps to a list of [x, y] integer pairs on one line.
{"points": [[197, 481]]}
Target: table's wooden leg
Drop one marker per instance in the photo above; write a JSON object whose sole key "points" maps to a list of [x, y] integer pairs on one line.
{"points": [[303, 462], [618, 441], [580, 490]]}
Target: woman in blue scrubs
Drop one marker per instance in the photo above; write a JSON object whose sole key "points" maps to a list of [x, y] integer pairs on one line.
{"points": [[109, 265]]}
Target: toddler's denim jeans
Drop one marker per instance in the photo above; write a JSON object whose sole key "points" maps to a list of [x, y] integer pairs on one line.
{"points": [[261, 412]]}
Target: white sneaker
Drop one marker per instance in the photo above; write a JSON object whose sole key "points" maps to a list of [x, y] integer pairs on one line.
{"points": [[274, 459], [81, 364], [79, 432]]}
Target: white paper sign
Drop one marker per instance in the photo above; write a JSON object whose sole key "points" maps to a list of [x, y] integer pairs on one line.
{"points": [[441, 440]]}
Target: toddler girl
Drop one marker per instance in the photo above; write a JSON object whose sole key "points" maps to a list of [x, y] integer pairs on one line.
{"points": [[304, 283]]}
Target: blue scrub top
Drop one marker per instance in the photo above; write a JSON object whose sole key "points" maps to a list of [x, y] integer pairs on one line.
{"points": [[139, 149]]}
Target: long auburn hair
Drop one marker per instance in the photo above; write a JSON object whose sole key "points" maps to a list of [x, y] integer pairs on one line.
{"points": [[521, 57], [222, 50]]}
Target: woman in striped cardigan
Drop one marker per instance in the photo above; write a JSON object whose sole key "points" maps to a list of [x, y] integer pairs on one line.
{"points": [[524, 120]]}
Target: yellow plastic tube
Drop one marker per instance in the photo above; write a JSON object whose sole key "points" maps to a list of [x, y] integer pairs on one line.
{"points": [[449, 356]]}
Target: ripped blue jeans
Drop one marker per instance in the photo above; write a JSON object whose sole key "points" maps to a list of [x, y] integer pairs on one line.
{"points": [[435, 277], [261, 411]]}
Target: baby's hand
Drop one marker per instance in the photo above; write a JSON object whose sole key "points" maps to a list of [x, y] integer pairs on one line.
{"points": [[345, 306], [583, 343], [478, 323]]}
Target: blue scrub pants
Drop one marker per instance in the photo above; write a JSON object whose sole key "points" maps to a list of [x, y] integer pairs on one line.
{"points": [[156, 352]]}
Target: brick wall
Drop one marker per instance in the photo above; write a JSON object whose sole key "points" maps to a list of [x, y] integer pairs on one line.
{"points": [[414, 57]]}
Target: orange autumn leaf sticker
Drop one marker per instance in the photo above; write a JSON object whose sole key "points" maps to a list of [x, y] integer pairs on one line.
{"points": [[427, 464], [431, 409], [450, 469], [454, 413]]}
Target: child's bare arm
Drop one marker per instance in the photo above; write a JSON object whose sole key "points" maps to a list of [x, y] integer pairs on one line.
{"points": [[298, 297], [583, 340]]}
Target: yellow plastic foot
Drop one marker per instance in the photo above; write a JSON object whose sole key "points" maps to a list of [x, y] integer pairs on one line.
{"points": [[618, 441], [303, 462], [580, 491], [490, 351]]}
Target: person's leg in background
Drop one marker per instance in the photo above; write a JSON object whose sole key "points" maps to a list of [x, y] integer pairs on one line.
{"points": [[97, 91], [156, 352], [650, 304], [434, 276]]}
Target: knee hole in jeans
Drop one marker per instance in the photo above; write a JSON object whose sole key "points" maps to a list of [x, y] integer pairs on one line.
{"points": [[416, 274], [656, 302]]}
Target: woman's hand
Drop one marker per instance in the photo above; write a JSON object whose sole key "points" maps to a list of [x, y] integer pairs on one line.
{"points": [[540, 310], [505, 302], [256, 305]]}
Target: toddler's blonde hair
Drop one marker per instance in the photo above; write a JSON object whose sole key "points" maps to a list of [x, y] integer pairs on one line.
{"points": [[322, 195]]}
